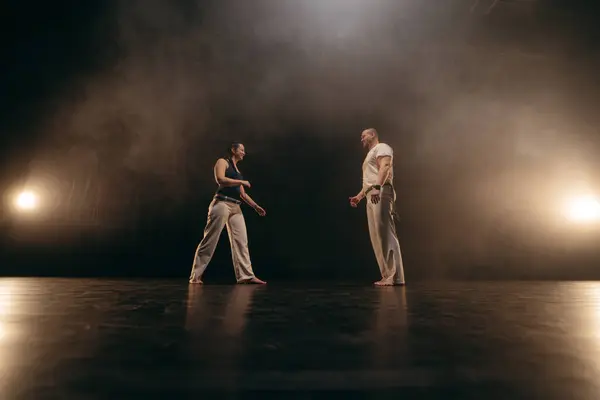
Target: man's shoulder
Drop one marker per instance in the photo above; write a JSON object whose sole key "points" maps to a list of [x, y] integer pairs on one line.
{"points": [[384, 149]]}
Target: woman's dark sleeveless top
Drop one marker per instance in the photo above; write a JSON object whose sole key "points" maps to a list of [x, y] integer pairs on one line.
{"points": [[232, 173]]}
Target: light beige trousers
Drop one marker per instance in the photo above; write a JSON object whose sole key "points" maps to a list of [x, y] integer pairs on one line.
{"points": [[384, 239], [221, 214]]}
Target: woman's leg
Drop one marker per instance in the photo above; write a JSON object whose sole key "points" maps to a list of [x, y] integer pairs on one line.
{"points": [[218, 213], [238, 238]]}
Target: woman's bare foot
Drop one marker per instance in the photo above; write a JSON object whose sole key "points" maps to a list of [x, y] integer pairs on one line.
{"points": [[383, 283], [388, 283], [253, 281], [196, 281]]}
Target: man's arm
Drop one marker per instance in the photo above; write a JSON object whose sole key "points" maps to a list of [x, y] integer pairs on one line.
{"points": [[220, 177], [363, 192], [384, 164]]}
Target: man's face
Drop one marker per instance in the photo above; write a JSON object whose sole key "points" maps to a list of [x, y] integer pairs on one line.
{"points": [[366, 138]]}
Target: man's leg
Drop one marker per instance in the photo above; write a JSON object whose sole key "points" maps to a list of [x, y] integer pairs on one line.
{"points": [[393, 268], [238, 238], [218, 212], [374, 222], [399, 276]]}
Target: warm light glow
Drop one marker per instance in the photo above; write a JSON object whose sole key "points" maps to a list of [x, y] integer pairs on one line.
{"points": [[5, 305], [584, 209], [26, 201]]}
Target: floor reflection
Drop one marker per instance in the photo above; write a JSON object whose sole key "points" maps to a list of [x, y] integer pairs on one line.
{"points": [[593, 311], [237, 306], [225, 321], [6, 293], [7, 351], [15, 328], [155, 339], [216, 332], [586, 328], [391, 329]]}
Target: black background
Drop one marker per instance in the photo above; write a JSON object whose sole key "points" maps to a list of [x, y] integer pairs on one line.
{"points": [[119, 111]]}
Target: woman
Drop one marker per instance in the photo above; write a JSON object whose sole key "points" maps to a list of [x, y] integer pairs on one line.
{"points": [[223, 211]]}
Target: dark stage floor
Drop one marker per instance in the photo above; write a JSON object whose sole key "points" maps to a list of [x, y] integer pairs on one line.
{"points": [[102, 339]]}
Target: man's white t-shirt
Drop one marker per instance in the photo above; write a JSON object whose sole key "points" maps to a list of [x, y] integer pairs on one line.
{"points": [[369, 167]]}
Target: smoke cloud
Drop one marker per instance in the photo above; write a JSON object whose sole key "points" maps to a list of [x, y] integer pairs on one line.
{"points": [[185, 72], [468, 107]]}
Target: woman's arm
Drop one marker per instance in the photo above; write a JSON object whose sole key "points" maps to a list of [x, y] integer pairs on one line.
{"points": [[222, 180], [246, 197]]}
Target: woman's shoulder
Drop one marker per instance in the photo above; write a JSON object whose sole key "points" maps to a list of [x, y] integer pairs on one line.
{"points": [[227, 163]]}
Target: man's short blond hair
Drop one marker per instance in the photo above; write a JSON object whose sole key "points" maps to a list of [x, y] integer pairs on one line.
{"points": [[372, 131]]}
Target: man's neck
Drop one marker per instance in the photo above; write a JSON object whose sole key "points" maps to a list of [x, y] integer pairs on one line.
{"points": [[375, 143]]}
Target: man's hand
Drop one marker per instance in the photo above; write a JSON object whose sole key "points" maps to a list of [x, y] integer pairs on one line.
{"points": [[261, 211], [375, 196], [355, 200]]}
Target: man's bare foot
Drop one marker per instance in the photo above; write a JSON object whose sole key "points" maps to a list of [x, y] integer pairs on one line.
{"points": [[253, 281], [196, 281]]}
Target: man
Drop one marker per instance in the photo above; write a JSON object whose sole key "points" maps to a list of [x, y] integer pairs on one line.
{"points": [[378, 176]]}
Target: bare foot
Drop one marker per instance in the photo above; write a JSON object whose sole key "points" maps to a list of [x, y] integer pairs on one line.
{"points": [[383, 283], [196, 281], [387, 283], [253, 281]]}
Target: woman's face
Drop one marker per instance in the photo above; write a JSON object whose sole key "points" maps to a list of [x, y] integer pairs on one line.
{"points": [[238, 152]]}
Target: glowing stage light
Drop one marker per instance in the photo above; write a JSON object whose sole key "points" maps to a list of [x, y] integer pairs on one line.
{"points": [[26, 201], [584, 209]]}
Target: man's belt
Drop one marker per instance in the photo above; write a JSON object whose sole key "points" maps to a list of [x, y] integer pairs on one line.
{"points": [[226, 198], [373, 187]]}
